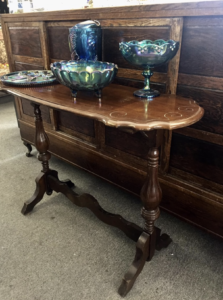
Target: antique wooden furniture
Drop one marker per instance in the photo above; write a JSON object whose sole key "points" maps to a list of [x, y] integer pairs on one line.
{"points": [[191, 164], [118, 108]]}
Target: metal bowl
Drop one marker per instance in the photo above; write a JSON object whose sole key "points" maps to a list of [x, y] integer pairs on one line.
{"points": [[149, 54], [84, 75]]}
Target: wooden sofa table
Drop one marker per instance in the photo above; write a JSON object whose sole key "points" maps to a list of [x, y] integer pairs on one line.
{"points": [[119, 108]]}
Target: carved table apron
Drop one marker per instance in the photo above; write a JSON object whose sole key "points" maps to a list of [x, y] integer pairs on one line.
{"points": [[118, 108]]}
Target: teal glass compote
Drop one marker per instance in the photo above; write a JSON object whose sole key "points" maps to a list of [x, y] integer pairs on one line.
{"points": [[147, 55], [84, 75]]}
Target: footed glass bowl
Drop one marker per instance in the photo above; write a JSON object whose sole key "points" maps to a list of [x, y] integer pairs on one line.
{"points": [[148, 54], [84, 75]]}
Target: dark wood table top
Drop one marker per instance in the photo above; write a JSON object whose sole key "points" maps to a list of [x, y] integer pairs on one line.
{"points": [[118, 106]]}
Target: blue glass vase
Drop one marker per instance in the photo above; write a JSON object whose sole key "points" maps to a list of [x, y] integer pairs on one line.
{"points": [[85, 41]]}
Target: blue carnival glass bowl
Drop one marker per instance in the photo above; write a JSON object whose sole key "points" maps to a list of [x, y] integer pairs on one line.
{"points": [[84, 75], [147, 55]]}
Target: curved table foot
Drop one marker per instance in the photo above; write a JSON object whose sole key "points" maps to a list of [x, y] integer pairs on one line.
{"points": [[163, 241], [42, 187], [29, 147], [38, 194], [142, 252]]}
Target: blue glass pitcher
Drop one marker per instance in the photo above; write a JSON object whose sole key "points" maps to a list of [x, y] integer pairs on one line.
{"points": [[85, 41]]}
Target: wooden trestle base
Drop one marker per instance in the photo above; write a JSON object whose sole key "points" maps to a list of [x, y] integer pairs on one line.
{"points": [[148, 239]]}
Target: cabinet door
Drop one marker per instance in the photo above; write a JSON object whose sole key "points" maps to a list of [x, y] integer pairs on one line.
{"points": [[27, 46]]}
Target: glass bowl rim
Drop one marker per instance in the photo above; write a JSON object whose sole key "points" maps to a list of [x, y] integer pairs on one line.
{"points": [[79, 62], [149, 43]]}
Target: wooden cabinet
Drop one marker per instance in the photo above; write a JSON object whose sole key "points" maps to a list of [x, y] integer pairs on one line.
{"points": [[191, 159]]}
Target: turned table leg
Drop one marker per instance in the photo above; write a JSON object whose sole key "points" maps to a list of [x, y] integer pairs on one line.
{"points": [[151, 195], [42, 145]]}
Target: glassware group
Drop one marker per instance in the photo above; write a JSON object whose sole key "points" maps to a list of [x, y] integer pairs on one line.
{"points": [[86, 72]]}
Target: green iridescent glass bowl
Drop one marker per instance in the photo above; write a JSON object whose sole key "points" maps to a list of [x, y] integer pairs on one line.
{"points": [[84, 75], [147, 55]]}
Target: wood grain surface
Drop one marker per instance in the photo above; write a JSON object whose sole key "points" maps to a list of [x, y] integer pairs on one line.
{"points": [[58, 42], [118, 107], [195, 157], [211, 101], [25, 41], [76, 123], [19, 66]]}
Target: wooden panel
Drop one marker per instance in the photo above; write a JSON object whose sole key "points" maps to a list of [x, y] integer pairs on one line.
{"points": [[205, 184], [25, 41], [203, 21], [194, 208], [18, 108], [22, 66], [58, 42], [201, 135], [197, 157], [67, 24], [201, 47], [173, 66], [44, 45], [27, 109], [134, 144], [201, 81], [28, 60], [76, 123], [155, 22], [171, 88], [113, 36], [211, 101]]}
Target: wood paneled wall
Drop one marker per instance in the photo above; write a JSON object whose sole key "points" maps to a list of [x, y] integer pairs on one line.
{"points": [[201, 78], [191, 166]]}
